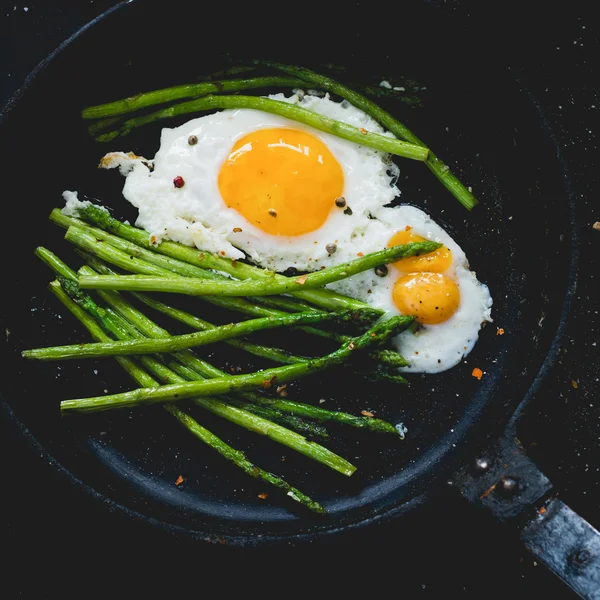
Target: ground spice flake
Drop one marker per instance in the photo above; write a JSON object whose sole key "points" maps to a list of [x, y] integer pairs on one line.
{"points": [[366, 413], [179, 480], [477, 373], [301, 280]]}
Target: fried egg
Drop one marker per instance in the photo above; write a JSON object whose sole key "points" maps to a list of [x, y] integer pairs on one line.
{"points": [[439, 289], [248, 184]]}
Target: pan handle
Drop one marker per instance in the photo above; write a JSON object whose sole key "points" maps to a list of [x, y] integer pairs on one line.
{"points": [[508, 484]]}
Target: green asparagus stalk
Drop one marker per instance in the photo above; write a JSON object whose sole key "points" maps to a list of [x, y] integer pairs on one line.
{"points": [[142, 378], [436, 166], [283, 109], [177, 342], [377, 335], [179, 92], [272, 286]]}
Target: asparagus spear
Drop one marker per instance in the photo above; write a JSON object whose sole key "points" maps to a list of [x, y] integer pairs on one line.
{"points": [[283, 109], [193, 90], [272, 286], [142, 378], [378, 334], [436, 166], [177, 342]]}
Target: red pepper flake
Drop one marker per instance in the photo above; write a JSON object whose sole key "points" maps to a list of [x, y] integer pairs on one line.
{"points": [[574, 383], [237, 229], [179, 480], [222, 253], [407, 228], [301, 280], [363, 131], [366, 413], [499, 331], [233, 262], [541, 511], [477, 373], [359, 254], [263, 496], [178, 182], [153, 240], [488, 492], [267, 383]]}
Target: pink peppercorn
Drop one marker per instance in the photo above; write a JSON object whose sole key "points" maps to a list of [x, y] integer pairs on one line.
{"points": [[178, 182]]}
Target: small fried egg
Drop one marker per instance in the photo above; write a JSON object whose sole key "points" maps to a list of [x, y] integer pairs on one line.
{"points": [[448, 302]]}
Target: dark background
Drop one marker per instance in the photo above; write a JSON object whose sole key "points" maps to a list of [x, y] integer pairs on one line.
{"points": [[58, 542]]}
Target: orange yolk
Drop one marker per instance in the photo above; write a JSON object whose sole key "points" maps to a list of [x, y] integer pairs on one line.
{"points": [[429, 297], [283, 181], [434, 262]]}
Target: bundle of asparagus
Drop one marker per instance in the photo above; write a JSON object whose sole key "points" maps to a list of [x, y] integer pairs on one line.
{"points": [[165, 365]]}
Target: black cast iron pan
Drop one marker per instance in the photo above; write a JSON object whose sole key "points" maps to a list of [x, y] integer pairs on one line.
{"points": [[495, 137]]}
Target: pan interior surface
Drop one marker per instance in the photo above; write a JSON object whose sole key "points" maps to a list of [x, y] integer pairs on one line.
{"points": [[481, 122]]}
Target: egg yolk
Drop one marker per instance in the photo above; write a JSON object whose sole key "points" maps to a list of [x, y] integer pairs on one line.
{"points": [[283, 181], [429, 297], [433, 262]]}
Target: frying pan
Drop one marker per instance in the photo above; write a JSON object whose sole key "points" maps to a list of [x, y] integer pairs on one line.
{"points": [[460, 429]]}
